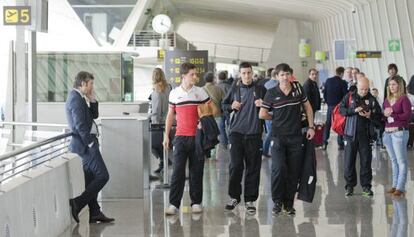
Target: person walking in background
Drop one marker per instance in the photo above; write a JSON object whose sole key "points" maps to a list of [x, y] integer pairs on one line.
{"points": [[379, 128], [335, 90], [397, 111], [310, 87], [225, 86], [393, 72], [81, 109], [159, 108], [216, 94], [348, 77], [273, 82]]}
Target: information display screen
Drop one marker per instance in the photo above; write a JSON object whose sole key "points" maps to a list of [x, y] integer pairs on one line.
{"points": [[173, 60]]}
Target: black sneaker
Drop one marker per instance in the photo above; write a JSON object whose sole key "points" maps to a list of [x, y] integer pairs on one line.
{"points": [[367, 192], [231, 204], [349, 191], [290, 211], [277, 209]]}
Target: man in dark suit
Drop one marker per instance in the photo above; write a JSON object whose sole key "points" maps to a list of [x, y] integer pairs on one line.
{"points": [[81, 109], [335, 90]]}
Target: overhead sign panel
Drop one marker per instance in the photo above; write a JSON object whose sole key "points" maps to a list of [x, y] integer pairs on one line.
{"points": [[394, 45], [368, 54], [173, 60], [17, 15]]}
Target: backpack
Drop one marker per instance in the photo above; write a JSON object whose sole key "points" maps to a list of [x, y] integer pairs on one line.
{"points": [[338, 120]]}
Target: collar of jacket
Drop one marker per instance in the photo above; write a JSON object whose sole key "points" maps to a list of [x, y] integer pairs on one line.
{"points": [[358, 97], [247, 86]]}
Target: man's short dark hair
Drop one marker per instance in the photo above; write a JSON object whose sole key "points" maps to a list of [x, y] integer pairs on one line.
{"points": [[357, 69], [282, 67], [209, 77], [245, 65], [273, 74], [392, 66], [311, 70], [339, 71], [269, 72], [222, 76], [82, 76], [186, 67]]}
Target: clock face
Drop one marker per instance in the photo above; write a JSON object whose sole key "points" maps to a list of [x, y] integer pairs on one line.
{"points": [[161, 23]]}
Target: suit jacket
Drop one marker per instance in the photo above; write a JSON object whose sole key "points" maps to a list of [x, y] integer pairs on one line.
{"points": [[80, 119]]}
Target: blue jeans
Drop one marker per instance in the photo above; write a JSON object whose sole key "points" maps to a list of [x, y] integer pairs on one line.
{"points": [[396, 144], [268, 138], [222, 127]]}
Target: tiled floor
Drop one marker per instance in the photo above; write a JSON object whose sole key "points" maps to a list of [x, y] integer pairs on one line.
{"points": [[330, 214]]}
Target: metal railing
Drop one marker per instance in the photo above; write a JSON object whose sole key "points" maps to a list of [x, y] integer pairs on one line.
{"points": [[147, 38], [234, 52], [26, 158]]}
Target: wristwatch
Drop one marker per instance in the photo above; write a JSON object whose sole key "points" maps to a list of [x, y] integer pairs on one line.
{"points": [[313, 127]]}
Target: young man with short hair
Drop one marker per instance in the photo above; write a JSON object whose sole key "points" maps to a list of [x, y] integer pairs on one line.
{"points": [[286, 101], [183, 101], [244, 100]]}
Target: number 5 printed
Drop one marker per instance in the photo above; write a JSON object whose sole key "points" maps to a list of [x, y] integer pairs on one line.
{"points": [[25, 16]]}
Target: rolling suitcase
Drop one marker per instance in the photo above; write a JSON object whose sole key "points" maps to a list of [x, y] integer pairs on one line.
{"points": [[318, 138]]}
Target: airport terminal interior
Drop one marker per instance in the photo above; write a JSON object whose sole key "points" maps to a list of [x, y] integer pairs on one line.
{"points": [[61, 159]]}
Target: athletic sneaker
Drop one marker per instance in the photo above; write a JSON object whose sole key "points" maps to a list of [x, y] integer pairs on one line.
{"points": [[171, 210], [290, 211], [231, 204], [349, 191], [250, 208], [196, 208], [277, 209], [367, 192]]}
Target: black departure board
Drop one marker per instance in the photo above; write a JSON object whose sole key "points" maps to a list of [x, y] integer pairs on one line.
{"points": [[173, 60]]}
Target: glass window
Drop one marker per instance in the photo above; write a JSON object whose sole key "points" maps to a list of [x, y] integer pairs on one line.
{"points": [[56, 74], [103, 18]]}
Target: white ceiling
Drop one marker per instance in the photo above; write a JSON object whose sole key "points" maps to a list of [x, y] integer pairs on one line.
{"points": [[266, 12]]}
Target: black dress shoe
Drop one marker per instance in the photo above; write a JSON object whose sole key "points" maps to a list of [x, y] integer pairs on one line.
{"points": [[100, 218], [159, 170], [74, 209]]}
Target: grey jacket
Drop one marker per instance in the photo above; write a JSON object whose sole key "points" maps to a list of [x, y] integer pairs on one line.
{"points": [[159, 106]]}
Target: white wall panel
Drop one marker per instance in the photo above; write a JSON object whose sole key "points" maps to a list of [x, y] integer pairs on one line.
{"points": [[374, 23], [37, 205]]}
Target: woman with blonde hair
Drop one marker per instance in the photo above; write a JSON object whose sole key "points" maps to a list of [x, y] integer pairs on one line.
{"points": [[159, 109], [397, 112]]}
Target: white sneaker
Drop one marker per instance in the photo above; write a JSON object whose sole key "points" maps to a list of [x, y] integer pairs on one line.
{"points": [[196, 208], [171, 210]]}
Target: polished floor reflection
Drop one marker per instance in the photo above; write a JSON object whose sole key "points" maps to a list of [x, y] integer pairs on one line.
{"points": [[330, 214]]}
